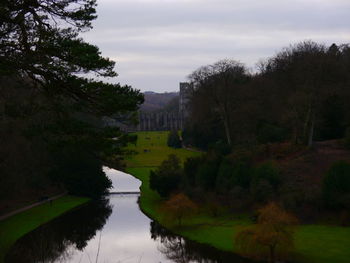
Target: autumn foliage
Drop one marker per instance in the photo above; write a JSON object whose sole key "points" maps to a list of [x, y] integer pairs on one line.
{"points": [[178, 207], [271, 238]]}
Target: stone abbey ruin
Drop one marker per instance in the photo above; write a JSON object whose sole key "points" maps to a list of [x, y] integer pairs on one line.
{"points": [[160, 120], [163, 120]]}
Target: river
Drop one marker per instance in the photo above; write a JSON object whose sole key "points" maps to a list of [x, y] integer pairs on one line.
{"points": [[111, 231]]}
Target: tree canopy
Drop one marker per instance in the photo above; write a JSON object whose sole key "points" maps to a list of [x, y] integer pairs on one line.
{"points": [[40, 40], [52, 89], [297, 95]]}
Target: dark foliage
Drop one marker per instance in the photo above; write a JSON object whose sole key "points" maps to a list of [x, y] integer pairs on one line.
{"points": [[298, 95], [167, 177], [57, 106], [81, 174], [332, 118], [190, 169], [174, 139], [336, 186], [265, 180]]}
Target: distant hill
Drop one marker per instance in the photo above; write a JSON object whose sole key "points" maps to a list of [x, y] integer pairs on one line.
{"points": [[157, 101]]}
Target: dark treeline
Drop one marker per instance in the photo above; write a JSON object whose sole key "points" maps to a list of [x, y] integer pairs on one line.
{"points": [[299, 95], [52, 134], [263, 132]]}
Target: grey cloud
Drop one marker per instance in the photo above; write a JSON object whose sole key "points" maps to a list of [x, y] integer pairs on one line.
{"points": [[157, 43]]}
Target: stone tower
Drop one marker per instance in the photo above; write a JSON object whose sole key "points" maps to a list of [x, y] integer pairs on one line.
{"points": [[185, 91]]}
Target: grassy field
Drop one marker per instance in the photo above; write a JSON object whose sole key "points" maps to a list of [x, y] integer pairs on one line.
{"points": [[314, 243], [152, 150], [11, 229]]}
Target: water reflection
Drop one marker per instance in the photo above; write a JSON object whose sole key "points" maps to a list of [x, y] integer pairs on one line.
{"points": [[122, 182], [56, 241], [111, 231], [180, 250]]}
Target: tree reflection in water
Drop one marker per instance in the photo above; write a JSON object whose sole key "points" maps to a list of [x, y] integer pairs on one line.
{"points": [[56, 241], [179, 250]]}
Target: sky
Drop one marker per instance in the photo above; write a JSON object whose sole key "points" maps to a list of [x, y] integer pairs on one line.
{"points": [[157, 43]]}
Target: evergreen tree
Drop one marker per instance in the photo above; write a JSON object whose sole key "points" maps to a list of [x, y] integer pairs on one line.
{"points": [[174, 139], [40, 45]]}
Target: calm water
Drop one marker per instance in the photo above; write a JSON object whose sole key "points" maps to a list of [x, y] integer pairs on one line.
{"points": [[111, 231]]}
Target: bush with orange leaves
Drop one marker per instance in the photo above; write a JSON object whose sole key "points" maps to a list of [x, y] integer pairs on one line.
{"points": [[178, 207], [271, 238]]}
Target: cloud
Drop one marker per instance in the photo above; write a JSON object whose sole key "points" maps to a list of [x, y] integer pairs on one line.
{"points": [[157, 43]]}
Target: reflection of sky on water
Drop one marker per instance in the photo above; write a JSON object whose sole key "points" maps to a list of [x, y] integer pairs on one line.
{"points": [[126, 236], [122, 182]]}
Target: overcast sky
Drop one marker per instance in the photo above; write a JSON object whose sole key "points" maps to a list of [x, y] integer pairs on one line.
{"points": [[158, 43]]}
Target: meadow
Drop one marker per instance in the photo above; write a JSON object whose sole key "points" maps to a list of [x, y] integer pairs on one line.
{"points": [[313, 243], [151, 149]]}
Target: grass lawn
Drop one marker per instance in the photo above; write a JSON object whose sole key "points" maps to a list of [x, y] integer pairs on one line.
{"points": [[13, 228], [314, 243], [152, 149]]}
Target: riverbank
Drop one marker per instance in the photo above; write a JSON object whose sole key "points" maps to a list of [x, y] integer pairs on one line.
{"points": [[313, 243], [16, 226]]}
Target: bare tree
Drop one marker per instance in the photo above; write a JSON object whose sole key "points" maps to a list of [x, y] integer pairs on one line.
{"points": [[304, 75], [218, 85]]}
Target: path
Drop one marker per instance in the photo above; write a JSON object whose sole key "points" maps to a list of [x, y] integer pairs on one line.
{"points": [[31, 206]]}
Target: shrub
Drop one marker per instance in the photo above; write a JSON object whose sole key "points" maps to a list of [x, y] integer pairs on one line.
{"points": [[178, 207], [241, 174], [167, 177], [206, 175], [262, 190], [269, 172], [190, 169], [266, 178], [336, 186], [269, 133], [220, 147], [224, 176], [271, 238], [233, 175], [174, 139]]}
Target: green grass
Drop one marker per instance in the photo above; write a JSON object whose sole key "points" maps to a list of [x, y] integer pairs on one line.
{"points": [[13, 228], [313, 243], [322, 243], [152, 150]]}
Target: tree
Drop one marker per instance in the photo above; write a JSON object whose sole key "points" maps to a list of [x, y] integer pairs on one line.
{"points": [[167, 177], [218, 84], [178, 207], [336, 186], [306, 74], [332, 118], [174, 139], [39, 40], [271, 238], [190, 169], [41, 47], [81, 174]]}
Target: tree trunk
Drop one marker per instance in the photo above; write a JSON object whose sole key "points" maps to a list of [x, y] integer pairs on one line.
{"points": [[311, 131], [306, 123], [227, 131]]}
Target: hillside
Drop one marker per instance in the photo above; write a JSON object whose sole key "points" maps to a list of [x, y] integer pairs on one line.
{"points": [[303, 172], [218, 230], [157, 101]]}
